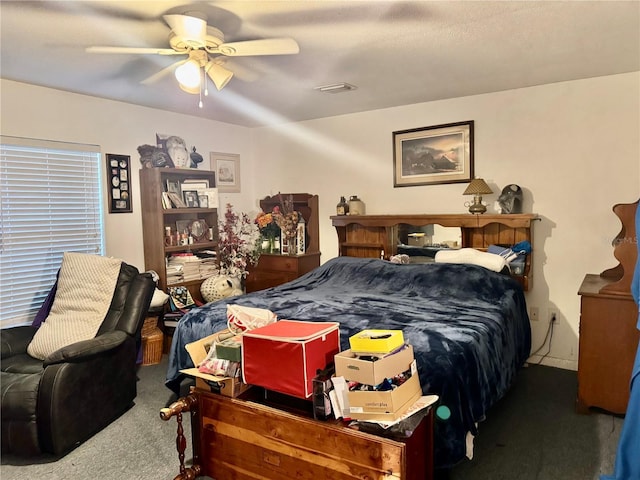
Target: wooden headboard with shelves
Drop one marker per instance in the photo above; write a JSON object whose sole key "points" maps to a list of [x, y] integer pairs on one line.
{"points": [[373, 236]]}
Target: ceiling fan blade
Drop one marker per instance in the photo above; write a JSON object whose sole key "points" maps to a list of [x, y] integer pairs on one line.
{"points": [[218, 74], [269, 46], [133, 50], [190, 29], [162, 73]]}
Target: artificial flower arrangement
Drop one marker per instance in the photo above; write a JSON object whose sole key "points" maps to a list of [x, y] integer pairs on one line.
{"points": [[269, 233], [237, 243], [280, 222], [287, 219]]}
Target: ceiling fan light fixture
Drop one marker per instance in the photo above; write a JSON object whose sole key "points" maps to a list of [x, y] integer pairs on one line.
{"points": [[191, 90], [191, 29], [188, 75], [219, 75]]}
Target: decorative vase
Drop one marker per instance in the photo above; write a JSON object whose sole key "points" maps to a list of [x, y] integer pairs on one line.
{"points": [[291, 245], [274, 245], [270, 244]]}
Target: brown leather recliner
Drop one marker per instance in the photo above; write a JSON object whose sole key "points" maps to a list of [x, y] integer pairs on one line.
{"points": [[52, 406]]}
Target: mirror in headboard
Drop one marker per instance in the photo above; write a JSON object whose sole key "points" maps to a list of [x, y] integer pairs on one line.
{"points": [[422, 242]]}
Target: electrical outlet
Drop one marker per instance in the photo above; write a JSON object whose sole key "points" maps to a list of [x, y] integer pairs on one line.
{"points": [[534, 314], [552, 315]]}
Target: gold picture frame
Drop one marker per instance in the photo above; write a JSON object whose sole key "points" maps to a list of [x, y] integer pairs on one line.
{"points": [[433, 155]]}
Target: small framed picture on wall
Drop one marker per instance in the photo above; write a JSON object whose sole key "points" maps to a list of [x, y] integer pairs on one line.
{"points": [[227, 168], [118, 183]]}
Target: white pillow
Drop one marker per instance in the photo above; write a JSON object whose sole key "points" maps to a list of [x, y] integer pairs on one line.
{"points": [[472, 256], [159, 298], [85, 289]]}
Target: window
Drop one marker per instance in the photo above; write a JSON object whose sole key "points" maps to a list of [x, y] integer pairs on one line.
{"points": [[50, 203]]}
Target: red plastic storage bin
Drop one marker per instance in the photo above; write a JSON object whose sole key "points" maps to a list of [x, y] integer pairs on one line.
{"points": [[284, 356]]}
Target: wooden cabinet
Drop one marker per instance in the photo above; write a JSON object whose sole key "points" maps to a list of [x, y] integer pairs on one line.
{"points": [[155, 220], [273, 270], [376, 236], [608, 317], [244, 438], [608, 343]]}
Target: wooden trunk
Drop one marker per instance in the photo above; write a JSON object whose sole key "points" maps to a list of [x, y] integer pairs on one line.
{"points": [[240, 439]]}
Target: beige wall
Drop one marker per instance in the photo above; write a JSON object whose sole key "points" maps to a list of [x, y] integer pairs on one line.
{"points": [[36, 112], [574, 147]]}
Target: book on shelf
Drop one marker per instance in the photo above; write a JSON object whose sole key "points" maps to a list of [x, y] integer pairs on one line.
{"points": [[175, 199], [166, 201], [188, 266], [172, 322]]}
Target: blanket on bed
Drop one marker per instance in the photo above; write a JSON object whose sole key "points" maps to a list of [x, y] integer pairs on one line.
{"points": [[468, 326]]}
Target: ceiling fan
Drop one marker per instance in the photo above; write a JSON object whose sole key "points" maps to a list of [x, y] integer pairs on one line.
{"points": [[205, 48]]}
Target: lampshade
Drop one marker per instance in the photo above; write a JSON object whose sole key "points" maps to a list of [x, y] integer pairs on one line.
{"points": [[188, 74], [477, 187], [218, 74]]}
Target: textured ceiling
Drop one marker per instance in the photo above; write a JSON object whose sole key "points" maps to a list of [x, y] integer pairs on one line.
{"points": [[395, 52]]}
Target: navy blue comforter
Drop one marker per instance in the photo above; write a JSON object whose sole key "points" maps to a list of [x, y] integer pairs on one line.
{"points": [[468, 326]]}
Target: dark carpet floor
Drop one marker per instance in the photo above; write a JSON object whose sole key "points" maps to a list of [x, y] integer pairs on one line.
{"points": [[532, 434]]}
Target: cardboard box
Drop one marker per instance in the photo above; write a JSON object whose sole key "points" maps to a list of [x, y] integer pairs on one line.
{"points": [[376, 341], [227, 386], [372, 373], [384, 406], [284, 356]]}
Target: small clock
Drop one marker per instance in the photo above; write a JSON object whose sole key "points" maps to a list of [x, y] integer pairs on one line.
{"points": [[198, 229]]}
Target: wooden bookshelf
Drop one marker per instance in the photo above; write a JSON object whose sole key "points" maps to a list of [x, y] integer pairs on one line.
{"points": [[155, 218]]}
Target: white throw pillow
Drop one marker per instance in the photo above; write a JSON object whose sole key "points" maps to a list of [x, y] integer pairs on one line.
{"points": [[473, 257], [85, 289]]}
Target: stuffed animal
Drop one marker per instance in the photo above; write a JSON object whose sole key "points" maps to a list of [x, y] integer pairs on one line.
{"points": [[146, 151], [400, 258], [152, 156], [220, 286]]}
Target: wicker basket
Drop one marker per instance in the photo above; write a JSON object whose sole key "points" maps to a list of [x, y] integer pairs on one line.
{"points": [[152, 342], [150, 325]]}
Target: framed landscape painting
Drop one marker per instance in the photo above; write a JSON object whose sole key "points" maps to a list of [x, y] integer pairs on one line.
{"points": [[433, 155]]}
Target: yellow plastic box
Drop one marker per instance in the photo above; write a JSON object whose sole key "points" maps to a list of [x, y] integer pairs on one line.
{"points": [[376, 341]]}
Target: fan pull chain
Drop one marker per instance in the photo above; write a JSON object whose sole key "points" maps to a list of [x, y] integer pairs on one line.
{"points": [[200, 93]]}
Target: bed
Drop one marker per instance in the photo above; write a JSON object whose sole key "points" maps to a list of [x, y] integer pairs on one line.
{"points": [[468, 326]]}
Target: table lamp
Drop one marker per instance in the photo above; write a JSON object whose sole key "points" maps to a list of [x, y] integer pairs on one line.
{"points": [[477, 188]]}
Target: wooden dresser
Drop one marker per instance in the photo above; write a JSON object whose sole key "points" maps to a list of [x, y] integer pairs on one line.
{"points": [[274, 270], [608, 343], [244, 438], [608, 334]]}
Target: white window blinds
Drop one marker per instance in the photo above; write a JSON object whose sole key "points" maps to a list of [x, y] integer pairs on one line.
{"points": [[50, 203]]}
